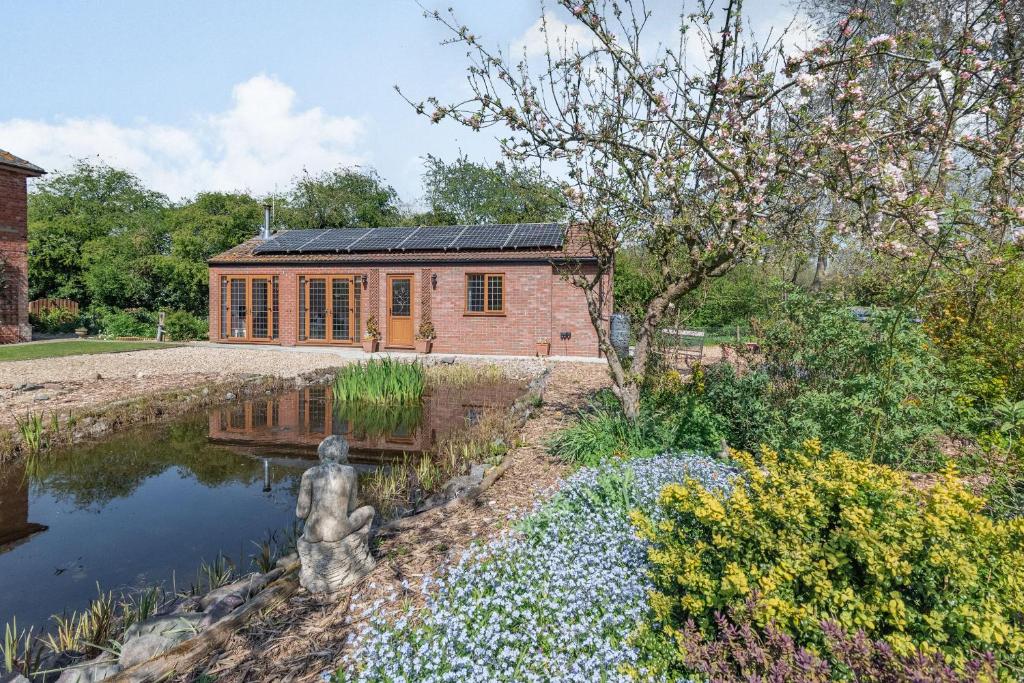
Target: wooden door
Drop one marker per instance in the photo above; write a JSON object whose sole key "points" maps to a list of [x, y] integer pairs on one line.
{"points": [[316, 309], [400, 334], [238, 312]]}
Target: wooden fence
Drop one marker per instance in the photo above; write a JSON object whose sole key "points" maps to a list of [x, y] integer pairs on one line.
{"points": [[39, 305]]}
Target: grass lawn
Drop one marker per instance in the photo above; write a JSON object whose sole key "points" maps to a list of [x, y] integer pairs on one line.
{"points": [[73, 347]]}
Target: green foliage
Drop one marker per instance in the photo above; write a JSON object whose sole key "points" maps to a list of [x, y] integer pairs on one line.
{"points": [[54, 320], [812, 537], [671, 418], [383, 380], [134, 322], [741, 402], [183, 326], [464, 192], [342, 198]]}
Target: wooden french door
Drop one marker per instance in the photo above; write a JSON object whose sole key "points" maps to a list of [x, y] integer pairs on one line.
{"points": [[400, 334], [249, 308], [329, 309]]}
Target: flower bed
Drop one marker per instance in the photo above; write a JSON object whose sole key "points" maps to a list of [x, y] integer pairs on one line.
{"points": [[558, 596]]}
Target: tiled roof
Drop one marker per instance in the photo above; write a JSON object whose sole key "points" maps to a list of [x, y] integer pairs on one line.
{"points": [[574, 249], [8, 160]]}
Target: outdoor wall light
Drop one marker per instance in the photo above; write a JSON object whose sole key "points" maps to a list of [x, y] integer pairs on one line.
{"points": [[364, 280], [433, 280]]}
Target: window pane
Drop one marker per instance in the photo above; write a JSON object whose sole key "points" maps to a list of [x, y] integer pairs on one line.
{"points": [[340, 307], [401, 298], [260, 309], [302, 308], [276, 311], [238, 310], [475, 293], [224, 307], [318, 309], [494, 293]]}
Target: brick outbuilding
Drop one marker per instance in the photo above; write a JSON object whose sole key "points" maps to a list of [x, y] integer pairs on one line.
{"points": [[14, 175], [494, 289]]}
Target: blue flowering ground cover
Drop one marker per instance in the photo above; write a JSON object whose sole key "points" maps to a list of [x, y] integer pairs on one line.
{"points": [[554, 599]]}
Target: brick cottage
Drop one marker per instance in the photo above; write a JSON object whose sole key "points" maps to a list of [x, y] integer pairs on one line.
{"points": [[14, 174], [488, 289]]}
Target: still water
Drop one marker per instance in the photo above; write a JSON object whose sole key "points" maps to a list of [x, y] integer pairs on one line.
{"points": [[150, 504]]}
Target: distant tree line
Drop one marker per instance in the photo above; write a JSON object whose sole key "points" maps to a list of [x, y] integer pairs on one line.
{"points": [[98, 235]]}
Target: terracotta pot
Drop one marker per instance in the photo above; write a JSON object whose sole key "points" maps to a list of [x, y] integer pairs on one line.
{"points": [[370, 345], [543, 348], [424, 345]]}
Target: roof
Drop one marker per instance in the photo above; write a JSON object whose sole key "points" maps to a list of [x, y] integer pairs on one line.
{"points": [[460, 243], [9, 161]]}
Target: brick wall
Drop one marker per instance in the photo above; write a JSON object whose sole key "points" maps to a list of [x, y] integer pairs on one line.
{"points": [[14, 252], [539, 304]]}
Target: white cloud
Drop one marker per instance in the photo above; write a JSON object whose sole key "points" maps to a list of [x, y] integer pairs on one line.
{"points": [[259, 142], [535, 40]]}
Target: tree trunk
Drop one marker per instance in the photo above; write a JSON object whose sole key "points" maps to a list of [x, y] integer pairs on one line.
{"points": [[629, 397], [819, 271]]}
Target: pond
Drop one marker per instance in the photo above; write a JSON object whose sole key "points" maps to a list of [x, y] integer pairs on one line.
{"points": [[150, 504]]}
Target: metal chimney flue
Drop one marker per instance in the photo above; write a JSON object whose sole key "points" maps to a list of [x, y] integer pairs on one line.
{"points": [[265, 230]]}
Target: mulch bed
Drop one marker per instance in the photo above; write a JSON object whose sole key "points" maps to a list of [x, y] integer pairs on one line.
{"points": [[305, 637]]}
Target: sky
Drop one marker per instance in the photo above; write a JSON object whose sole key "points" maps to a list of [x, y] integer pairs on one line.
{"points": [[198, 95]]}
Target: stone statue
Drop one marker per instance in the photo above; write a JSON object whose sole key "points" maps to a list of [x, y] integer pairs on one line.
{"points": [[334, 548]]}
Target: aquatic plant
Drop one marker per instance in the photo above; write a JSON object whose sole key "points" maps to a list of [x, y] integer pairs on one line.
{"points": [[140, 606], [20, 650], [376, 419], [31, 430], [380, 380], [213, 575], [89, 631], [561, 594]]}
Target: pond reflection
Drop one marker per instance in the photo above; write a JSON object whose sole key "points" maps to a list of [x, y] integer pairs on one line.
{"points": [[149, 504]]}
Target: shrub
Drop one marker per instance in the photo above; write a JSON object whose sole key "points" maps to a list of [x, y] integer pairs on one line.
{"points": [[380, 381], [671, 418], [812, 538], [743, 404], [183, 326], [744, 652], [54, 320], [129, 322]]}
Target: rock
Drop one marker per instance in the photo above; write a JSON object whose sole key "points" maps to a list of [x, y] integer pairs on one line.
{"points": [[99, 669], [230, 396], [97, 376], [144, 648], [140, 374], [170, 625], [220, 609], [41, 397], [459, 486], [13, 678], [206, 392], [28, 387], [479, 471], [330, 567], [244, 588], [286, 560]]}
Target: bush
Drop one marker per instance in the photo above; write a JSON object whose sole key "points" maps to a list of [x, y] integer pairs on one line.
{"points": [[183, 326], [54, 320], [130, 322], [812, 538], [742, 402], [671, 418]]}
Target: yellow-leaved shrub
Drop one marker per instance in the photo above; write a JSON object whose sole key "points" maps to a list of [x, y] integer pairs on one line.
{"points": [[805, 537]]}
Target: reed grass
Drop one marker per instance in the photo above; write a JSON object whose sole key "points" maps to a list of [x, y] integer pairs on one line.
{"points": [[20, 651], [31, 431], [383, 380], [89, 631], [464, 374]]}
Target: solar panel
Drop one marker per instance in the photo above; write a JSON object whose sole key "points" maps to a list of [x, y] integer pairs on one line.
{"points": [[537, 235], [432, 238], [382, 239], [289, 240], [483, 237], [443, 238], [338, 239]]}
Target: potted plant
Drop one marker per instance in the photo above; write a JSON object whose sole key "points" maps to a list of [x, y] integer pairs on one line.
{"points": [[543, 347], [425, 337], [371, 342], [81, 332]]}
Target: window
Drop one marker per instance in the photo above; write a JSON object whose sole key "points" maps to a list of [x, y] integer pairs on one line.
{"points": [[485, 293]]}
